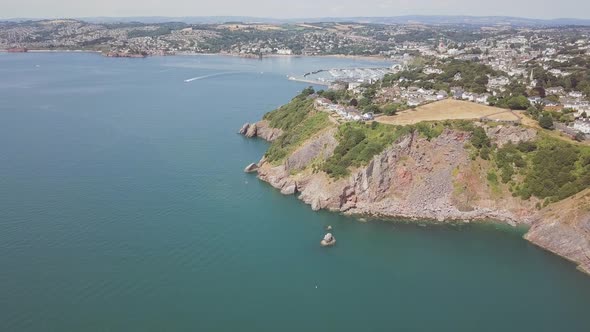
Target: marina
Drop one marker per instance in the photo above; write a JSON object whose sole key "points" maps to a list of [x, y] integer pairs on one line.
{"points": [[327, 77]]}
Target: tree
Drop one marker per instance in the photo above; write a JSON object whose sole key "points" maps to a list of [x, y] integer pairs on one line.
{"points": [[518, 103], [372, 108], [553, 98], [479, 138], [308, 91], [539, 91], [534, 112], [330, 94], [390, 109], [546, 121]]}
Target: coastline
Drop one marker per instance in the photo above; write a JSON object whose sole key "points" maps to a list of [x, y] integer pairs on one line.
{"points": [[521, 227], [50, 51], [415, 181], [293, 78], [248, 56]]}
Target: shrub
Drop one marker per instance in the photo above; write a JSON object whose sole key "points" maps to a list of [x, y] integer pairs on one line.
{"points": [[479, 138], [546, 122], [492, 177]]}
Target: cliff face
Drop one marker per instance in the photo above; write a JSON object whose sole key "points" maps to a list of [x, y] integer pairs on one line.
{"points": [[564, 228], [432, 179], [413, 178]]}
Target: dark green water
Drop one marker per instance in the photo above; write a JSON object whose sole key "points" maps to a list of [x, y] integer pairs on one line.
{"points": [[123, 207]]}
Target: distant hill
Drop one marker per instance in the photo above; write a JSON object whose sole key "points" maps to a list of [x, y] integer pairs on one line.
{"points": [[407, 19]]}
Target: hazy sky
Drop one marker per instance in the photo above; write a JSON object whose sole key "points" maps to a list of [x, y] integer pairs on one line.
{"points": [[293, 8]]}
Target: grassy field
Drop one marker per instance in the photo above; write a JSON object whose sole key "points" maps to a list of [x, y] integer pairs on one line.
{"points": [[449, 109]]}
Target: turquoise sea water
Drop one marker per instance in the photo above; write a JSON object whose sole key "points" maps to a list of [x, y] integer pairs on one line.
{"points": [[123, 207]]}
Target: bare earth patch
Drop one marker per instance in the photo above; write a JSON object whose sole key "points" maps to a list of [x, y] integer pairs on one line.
{"points": [[449, 109]]}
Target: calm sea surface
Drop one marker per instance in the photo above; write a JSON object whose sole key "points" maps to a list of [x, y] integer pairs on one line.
{"points": [[123, 207]]}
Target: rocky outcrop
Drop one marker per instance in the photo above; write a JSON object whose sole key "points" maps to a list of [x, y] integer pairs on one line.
{"points": [[328, 240], [260, 129], [515, 134], [432, 179], [414, 178], [322, 147], [251, 168], [564, 229]]}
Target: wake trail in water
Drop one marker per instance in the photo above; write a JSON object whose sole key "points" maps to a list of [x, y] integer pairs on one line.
{"points": [[210, 75]]}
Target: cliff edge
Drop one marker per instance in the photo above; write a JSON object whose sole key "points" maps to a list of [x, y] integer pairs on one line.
{"points": [[442, 171]]}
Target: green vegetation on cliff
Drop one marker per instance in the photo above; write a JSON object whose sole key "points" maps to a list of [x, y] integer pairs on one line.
{"points": [[299, 121], [555, 170], [358, 144], [547, 168]]}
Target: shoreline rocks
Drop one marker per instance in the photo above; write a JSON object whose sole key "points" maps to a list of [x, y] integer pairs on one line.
{"points": [[251, 168], [260, 129]]}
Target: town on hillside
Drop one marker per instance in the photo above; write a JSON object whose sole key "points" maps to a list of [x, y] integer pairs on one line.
{"points": [[541, 71]]}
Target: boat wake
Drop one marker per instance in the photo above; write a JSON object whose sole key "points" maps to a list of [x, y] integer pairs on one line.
{"points": [[209, 76]]}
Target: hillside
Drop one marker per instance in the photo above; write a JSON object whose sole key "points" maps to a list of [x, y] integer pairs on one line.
{"points": [[450, 170]]}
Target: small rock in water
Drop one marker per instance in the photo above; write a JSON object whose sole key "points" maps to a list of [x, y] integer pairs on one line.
{"points": [[362, 220], [328, 240], [329, 228]]}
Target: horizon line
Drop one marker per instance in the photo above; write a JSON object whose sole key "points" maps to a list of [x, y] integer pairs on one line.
{"points": [[82, 18]]}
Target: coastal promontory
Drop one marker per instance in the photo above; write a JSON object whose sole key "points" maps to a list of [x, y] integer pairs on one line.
{"points": [[444, 170]]}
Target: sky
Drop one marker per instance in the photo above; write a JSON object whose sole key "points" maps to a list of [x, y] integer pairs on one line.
{"points": [[293, 8]]}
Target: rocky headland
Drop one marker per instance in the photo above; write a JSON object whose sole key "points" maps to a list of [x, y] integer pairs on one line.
{"points": [[417, 176], [260, 129]]}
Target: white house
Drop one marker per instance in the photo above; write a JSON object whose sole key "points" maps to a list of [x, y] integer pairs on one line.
{"points": [[354, 86], [368, 116], [413, 102], [498, 82], [441, 95], [558, 72], [482, 99], [467, 96], [430, 70], [582, 126], [284, 51], [535, 99], [323, 102], [556, 90]]}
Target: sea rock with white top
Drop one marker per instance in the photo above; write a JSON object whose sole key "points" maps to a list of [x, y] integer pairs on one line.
{"points": [[328, 240]]}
